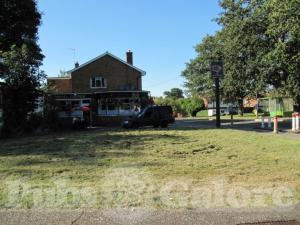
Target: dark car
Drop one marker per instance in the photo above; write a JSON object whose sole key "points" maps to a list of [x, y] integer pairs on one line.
{"points": [[151, 116]]}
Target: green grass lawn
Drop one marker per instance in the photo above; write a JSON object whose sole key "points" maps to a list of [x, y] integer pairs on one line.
{"points": [[136, 168]]}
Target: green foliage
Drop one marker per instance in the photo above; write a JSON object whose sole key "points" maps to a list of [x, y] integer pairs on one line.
{"points": [[259, 43], [20, 60], [197, 72], [174, 93], [19, 21], [174, 103], [20, 89], [192, 105], [185, 106]]}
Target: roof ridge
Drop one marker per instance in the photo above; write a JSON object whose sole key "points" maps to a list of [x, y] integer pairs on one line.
{"points": [[113, 56]]}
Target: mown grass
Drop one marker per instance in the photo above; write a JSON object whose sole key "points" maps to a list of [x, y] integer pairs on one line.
{"points": [[133, 168]]}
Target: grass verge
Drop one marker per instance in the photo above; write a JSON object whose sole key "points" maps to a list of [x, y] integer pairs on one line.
{"points": [[147, 168]]}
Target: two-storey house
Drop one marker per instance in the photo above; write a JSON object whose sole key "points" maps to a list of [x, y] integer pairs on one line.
{"points": [[110, 86]]}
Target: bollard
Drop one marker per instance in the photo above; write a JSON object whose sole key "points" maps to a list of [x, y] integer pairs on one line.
{"points": [[231, 119], [275, 124], [269, 122], [262, 122], [297, 122], [293, 122]]}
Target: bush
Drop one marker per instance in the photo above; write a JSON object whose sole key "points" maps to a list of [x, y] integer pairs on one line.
{"points": [[174, 103], [184, 106], [192, 105]]}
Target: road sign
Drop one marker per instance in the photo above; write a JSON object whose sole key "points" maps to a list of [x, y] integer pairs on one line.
{"points": [[217, 69]]}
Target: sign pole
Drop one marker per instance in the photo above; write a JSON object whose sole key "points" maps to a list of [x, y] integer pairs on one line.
{"points": [[217, 74], [218, 114]]}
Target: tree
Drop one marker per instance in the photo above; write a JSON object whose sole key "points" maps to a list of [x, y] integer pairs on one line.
{"points": [[19, 22], [174, 103], [21, 58], [192, 105], [174, 93], [283, 60], [197, 72], [240, 44], [245, 43]]}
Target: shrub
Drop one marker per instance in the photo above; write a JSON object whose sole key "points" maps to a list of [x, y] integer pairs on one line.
{"points": [[192, 105]]}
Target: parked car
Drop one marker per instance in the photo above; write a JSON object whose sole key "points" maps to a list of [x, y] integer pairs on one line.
{"points": [[151, 116]]}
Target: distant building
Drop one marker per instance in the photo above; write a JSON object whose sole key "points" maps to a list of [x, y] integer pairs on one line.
{"points": [[110, 86]]}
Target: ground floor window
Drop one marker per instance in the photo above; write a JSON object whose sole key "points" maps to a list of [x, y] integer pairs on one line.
{"points": [[118, 108]]}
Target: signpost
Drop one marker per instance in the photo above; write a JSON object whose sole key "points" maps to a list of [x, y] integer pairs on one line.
{"points": [[217, 73]]}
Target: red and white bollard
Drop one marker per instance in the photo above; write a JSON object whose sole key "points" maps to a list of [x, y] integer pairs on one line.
{"points": [[276, 124], [295, 122]]}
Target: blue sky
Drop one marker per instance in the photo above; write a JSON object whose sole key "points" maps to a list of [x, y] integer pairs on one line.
{"points": [[161, 34]]}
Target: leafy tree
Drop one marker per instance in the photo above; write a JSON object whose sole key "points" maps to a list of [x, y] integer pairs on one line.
{"points": [[174, 103], [241, 45], [197, 72], [174, 93], [283, 60], [244, 47], [20, 60], [19, 21]]}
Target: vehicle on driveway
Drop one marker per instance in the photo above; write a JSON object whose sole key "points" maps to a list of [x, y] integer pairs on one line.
{"points": [[156, 116]]}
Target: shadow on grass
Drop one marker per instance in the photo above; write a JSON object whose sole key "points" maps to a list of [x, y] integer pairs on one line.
{"points": [[87, 147]]}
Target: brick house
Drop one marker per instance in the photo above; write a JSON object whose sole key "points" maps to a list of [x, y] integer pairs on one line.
{"points": [[111, 87]]}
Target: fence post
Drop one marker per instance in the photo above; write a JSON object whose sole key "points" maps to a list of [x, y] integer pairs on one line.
{"points": [[276, 124], [297, 122]]}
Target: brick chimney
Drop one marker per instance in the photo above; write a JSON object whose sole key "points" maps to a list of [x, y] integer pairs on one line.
{"points": [[76, 64], [129, 57]]}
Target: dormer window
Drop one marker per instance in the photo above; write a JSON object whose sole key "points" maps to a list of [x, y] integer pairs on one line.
{"points": [[98, 82]]}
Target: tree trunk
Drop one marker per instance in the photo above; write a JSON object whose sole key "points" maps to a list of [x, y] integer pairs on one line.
{"points": [[297, 106]]}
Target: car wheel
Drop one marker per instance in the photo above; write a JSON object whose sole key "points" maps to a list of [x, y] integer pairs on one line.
{"points": [[164, 124]]}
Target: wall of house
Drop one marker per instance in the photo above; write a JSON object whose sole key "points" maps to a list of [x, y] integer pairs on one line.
{"points": [[119, 76], [61, 85]]}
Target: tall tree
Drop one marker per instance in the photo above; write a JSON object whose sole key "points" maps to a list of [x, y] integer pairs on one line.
{"points": [[197, 72], [240, 44], [244, 46], [174, 93], [283, 60], [20, 60]]}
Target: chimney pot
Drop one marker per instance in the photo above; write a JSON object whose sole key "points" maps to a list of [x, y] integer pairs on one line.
{"points": [[76, 64], [129, 57]]}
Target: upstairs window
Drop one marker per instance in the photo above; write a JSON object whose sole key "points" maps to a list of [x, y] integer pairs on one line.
{"points": [[98, 82]]}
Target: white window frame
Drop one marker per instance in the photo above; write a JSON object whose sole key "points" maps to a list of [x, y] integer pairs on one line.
{"points": [[102, 80]]}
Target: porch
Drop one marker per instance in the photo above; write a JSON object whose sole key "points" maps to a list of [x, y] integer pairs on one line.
{"points": [[113, 106]]}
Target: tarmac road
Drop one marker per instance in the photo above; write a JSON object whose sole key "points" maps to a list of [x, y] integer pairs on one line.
{"points": [[148, 217]]}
